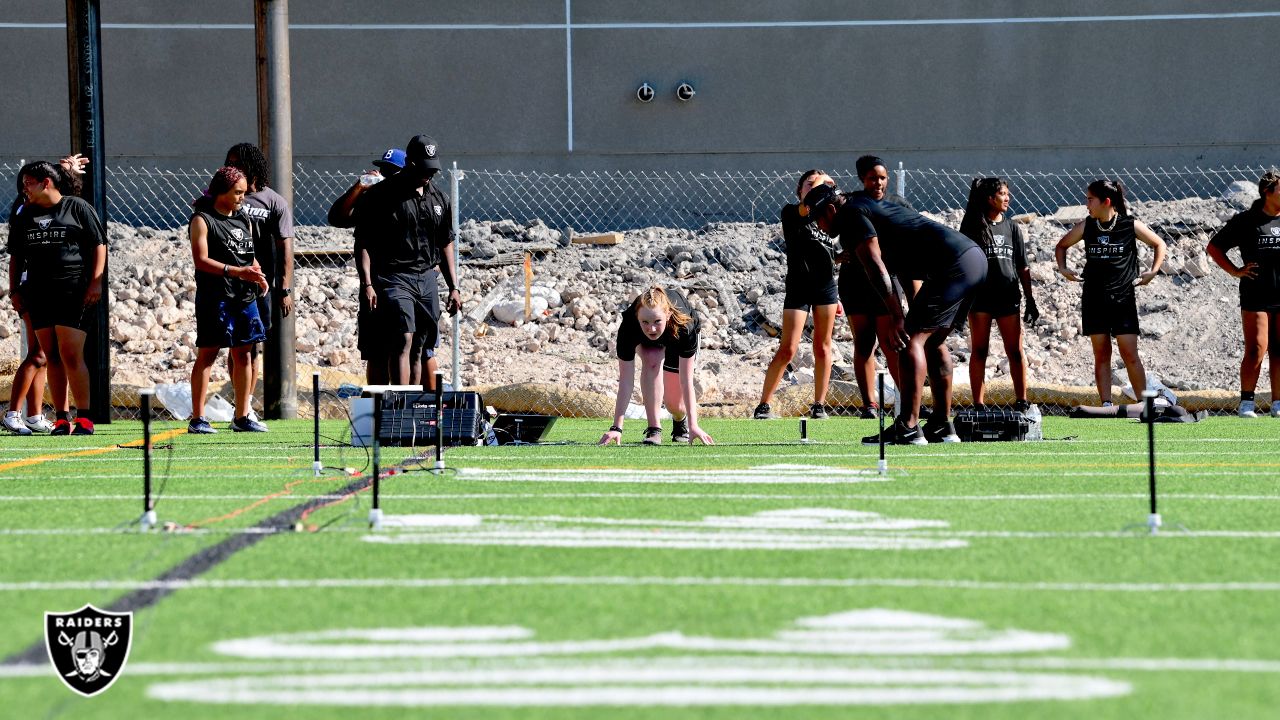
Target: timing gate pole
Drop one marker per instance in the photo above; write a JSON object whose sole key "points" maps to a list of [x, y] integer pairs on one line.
{"points": [[440, 421], [84, 70], [375, 514], [1149, 399], [316, 467], [883, 465], [454, 195], [148, 508]]}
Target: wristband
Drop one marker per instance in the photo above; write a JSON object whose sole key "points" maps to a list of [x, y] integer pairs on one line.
{"points": [[615, 428], [226, 270]]}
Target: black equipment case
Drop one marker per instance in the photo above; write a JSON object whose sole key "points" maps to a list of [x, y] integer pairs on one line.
{"points": [[409, 418], [992, 424]]}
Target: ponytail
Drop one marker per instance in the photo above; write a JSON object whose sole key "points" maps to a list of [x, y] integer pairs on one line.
{"points": [[1112, 190]]}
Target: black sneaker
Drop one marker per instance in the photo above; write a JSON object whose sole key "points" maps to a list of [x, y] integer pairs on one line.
{"points": [[200, 426], [763, 412], [898, 434], [1022, 406], [61, 427], [680, 431], [652, 436], [247, 424], [818, 411], [869, 412], [82, 426], [940, 432]]}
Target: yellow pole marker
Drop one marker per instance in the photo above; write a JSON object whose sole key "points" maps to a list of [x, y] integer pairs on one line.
{"points": [[528, 286]]}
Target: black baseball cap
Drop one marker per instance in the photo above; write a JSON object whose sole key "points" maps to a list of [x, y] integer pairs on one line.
{"points": [[819, 196], [424, 150]]}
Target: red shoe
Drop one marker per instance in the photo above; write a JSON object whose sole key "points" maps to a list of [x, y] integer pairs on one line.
{"points": [[61, 427], [84, 426]]}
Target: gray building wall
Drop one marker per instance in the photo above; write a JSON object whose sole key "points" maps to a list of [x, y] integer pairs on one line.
{"points": [[1030, 84]]}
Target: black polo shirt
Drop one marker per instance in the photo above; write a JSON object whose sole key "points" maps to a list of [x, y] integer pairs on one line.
{"points": [[911, 245], [405, 232]]}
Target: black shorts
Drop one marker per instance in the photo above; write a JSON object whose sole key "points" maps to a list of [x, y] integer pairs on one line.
{"points": [[945, 296], [61, 304], [264, 311], [999, 300], [671, 363], [370, 340], [803, 292], [408, 304], [857, 295], [227, 323], [1103, 314]]}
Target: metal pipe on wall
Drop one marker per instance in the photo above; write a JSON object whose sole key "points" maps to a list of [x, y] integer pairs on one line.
{"points": [[275, 137]]}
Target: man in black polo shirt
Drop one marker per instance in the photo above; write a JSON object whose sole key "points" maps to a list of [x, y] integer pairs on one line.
{"points": [[410, 220]]}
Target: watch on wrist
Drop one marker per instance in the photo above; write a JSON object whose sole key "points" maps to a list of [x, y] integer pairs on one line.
{"points": [[615, 428], [284, 292]]}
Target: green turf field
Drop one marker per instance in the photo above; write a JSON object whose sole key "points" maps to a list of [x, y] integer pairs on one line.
{"points": [[757, 578]]}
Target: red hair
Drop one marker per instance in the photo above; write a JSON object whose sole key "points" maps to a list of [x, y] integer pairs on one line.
{"points": [[224, 179]]}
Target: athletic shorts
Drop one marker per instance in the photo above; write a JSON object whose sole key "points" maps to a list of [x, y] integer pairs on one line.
{"points": [[997, 301], [945, 296], [671, 363], [857, 295], [801, 294], [1108, 315], [228, 323], [61, 305], [264, 311], [370, 340], [408, 304]]}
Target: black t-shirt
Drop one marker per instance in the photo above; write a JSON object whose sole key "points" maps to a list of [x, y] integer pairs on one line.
{"points": [[273, 219], [56, 244], [1257, 234], [1111, 257], [1006, 252], [809, 254], [404, 232], [230, 241], [911, 245], [685, 342]]}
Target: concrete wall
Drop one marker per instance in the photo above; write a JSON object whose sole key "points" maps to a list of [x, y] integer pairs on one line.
{"points": [[781, 84]]}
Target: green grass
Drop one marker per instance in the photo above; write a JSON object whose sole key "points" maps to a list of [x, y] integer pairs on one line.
{"points": [[574, 543]]}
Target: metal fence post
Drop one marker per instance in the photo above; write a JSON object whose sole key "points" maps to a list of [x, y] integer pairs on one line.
{"points": [[455, 375], [902, 181]]}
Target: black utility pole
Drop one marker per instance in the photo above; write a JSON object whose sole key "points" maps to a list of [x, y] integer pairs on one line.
{"points": [[275, 137], [84, 68]]}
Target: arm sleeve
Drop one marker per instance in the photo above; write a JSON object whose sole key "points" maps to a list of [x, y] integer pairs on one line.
{"points": [[445, 234], [688, 339], [1019, 245], [17, 249], [284, 218], [95, 234], [628, 338], [1228, 236]]}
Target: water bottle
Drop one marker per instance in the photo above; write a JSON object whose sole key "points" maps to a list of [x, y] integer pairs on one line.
{"points": [[369, 179]]}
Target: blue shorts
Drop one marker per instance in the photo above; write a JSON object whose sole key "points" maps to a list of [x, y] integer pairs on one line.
{"points": [[228, 323]]}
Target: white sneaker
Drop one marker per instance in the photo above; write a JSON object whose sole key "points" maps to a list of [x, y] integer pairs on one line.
{"points": [[39, 424], [13, 423], [1248, 409]]}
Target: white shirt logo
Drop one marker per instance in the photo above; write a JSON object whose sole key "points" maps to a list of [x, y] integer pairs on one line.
{"points": [[438, 209], [237, 233]]}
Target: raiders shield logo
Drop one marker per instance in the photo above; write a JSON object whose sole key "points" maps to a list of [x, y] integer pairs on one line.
{"points": [[431, 151], [44, 222], [88, 647], [437, 210], [1275, 231]]}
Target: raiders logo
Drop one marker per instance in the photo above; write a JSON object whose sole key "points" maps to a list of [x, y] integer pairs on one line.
{"points": [[437, 209], [431, 151], [1275, 231], [44, 222], [237, 233], [997, 240], [88, 647], [1104, 239]]}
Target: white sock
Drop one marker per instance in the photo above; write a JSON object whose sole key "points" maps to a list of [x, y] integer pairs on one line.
{"points": [[33, 418], [11, 413]]}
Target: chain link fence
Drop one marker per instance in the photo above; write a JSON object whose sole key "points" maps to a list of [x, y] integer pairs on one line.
{"points": [[593, 240]]}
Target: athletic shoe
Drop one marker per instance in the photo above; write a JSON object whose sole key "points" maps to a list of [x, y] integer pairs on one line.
{"points": [[245, 424], [940, 432], [818, 411], [1022, 406], [252, 415], [763, 412], [1275, 409], [653, 436], [200, 426], [38, 424], [898, 434], [1248, 409], [1108, 403], [13, 423], [61, 427], [680, 431], [869, 412], [82, 426]]}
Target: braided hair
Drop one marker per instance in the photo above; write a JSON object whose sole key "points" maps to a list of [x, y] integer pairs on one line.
{"points": [[248, 159]]}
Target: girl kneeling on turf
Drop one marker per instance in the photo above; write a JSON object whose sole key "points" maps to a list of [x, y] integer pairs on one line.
{"points": [[662, 329]]}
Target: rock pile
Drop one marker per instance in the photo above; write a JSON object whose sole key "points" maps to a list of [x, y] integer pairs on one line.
{"points": [[732, 272]]}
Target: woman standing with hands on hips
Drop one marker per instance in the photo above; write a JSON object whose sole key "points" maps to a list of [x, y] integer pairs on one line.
{"points": [[662, 329], [986, 222], [1256, 232], [1109, 306]]}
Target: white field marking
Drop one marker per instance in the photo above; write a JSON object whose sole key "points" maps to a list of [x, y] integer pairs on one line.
{"points": [[642, 477], [793, 529], [500, 495], [630, 581], [787, 680], [320, 664], [813, 475], [592, 686]]}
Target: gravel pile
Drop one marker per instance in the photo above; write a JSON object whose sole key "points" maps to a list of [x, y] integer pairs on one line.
{"points": [[733, 273]]}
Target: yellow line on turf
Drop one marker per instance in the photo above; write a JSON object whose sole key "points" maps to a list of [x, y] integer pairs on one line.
{"points": [[39, 459]]}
